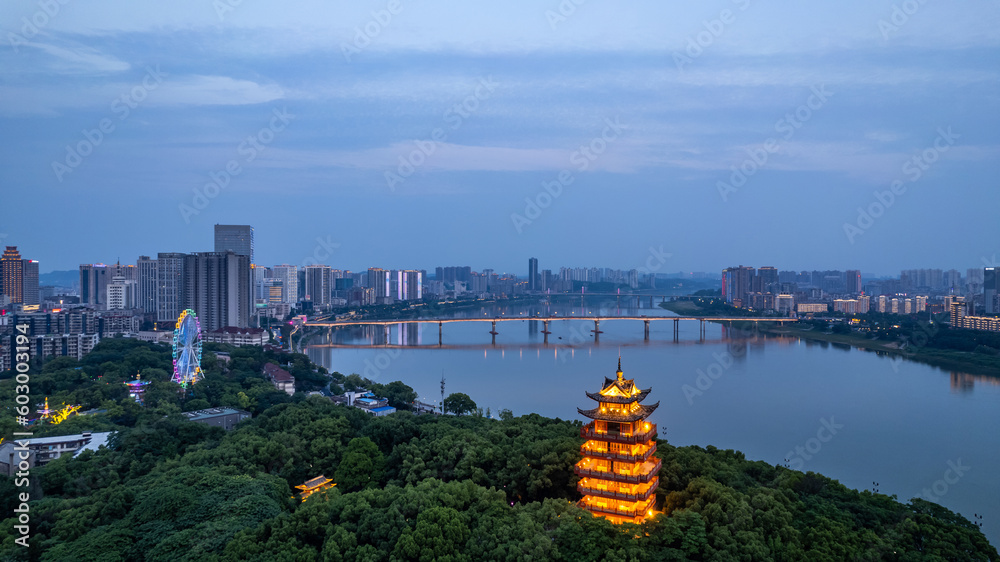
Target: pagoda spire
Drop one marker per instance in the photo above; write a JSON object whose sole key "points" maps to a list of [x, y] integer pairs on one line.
{"points": [[620, 373]]}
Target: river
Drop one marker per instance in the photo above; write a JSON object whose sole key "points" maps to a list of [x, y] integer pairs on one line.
{"points": [[849, 414]]}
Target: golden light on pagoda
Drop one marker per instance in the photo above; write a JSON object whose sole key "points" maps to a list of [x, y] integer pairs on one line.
{"points": [[310, 487], [618, 470]]}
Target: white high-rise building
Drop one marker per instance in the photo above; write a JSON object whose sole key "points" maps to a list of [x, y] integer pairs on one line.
{"points": [[122, 293], [289, 276]]}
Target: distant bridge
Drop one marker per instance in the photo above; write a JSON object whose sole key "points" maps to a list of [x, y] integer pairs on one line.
{"points": [[545, 320]]}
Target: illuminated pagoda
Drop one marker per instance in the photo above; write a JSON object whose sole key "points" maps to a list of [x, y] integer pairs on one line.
{"points": [[618, 472], [136, 388], [315, 485]]}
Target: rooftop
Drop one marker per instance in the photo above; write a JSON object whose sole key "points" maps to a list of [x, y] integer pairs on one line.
{"points": [[212, 412]]}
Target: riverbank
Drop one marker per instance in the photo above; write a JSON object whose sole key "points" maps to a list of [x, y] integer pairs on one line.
{"points": [[968, 362]]}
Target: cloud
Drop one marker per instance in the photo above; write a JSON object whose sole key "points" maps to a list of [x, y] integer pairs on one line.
{"points": [[214, 90]]}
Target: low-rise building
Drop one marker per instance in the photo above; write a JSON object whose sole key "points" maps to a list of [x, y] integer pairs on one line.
{"points": [[367, 401], [280, 378], [155, 336], [226, 418], [42, 450], [812, 307], [237, 336]]}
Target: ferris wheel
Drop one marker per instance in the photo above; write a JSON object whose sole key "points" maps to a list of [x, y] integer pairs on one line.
{"points": [[187, 349]]}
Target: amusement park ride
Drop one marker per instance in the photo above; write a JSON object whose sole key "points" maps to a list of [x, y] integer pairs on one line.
{"points": [[187, 349], [51, 415]]}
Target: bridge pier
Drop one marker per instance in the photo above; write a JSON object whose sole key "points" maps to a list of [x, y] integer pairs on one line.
{"points": [[440, 338], [677, 324], [646, 330], [701, 329], [386, 333], [545, 330], [493, 332]]}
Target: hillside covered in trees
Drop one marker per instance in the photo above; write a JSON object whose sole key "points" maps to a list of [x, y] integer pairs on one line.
{"points": [[409, 487]]}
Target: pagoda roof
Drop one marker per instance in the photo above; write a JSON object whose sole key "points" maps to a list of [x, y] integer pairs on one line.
{"points": [[612, 399], [641, 413], [315, 482], [619, 390]]}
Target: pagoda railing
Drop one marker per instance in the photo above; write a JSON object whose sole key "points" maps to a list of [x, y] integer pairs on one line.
{"points": [[621, 455], [627, 512], [642, 478], [586, 490], [588, 432]]}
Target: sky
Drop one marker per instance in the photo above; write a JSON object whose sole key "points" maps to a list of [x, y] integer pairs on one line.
{"points": [[858, 134]]}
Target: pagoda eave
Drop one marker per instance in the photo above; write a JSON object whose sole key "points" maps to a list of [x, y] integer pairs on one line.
{"points": [[596, 396], [641, 413]]}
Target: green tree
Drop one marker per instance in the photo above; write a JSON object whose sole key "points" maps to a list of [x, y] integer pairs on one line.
{"points": [[362, 466], [459, 403]]}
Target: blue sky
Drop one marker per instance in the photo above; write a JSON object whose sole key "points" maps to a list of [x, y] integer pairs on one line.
{"points": [[646, 110]]}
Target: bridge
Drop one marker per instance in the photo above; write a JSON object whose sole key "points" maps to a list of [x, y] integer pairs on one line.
{"points": [[545, 320]]}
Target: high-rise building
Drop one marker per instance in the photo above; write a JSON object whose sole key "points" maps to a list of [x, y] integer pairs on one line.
{"points": [[619, 472], [381, 281], [217, 288], [921, 303], [318, 288], [236, 238], [170, 296], [533, 274], [289, 276], [29, 282], [737, 282], [94, 280], [991, 290], [146, 286], [852, 280], [766, 280], [409, 284], [883, 303], [12, 274]]}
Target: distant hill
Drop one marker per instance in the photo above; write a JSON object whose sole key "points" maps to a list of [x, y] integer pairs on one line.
{"points": [[66, 278]]}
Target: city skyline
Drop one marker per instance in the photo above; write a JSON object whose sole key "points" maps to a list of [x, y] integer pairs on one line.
{"points": [[820, 136]]}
